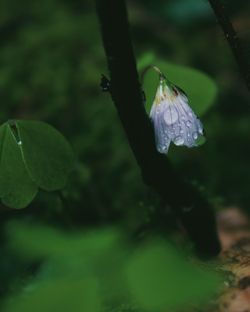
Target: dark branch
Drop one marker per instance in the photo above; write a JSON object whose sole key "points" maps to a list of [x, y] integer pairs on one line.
{"points": [[155, 168], [233, 39]]}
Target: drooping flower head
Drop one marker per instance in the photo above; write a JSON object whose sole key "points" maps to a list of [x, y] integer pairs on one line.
{"points": [[173, 119]]}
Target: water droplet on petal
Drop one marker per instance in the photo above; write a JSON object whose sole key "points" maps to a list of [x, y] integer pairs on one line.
{"points": [[200, 127], [178, 140], [195, 135], [188, 123], [162, 148], [200, 130]]}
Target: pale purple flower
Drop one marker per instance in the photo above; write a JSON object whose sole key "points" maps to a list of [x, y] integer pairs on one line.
{"points": [[173, 119]]}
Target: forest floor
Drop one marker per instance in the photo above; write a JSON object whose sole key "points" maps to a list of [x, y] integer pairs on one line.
{"points": [[234, 234]]}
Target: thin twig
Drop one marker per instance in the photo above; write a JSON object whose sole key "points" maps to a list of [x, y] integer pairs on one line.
{"points": [[191, 208], [233, 39]]}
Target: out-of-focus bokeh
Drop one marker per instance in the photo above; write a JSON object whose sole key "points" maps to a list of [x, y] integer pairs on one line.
{"points": [[51, 61]]}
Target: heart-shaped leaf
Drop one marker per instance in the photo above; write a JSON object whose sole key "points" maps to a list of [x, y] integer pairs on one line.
{"points": [[33, 155], [17, 189], [47, 155]]}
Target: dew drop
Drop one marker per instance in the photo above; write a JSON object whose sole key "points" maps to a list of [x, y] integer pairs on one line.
{"points": [[188, 123], [200, 130], [162, 148], [200, 127], [195, 135], [178, 141]]}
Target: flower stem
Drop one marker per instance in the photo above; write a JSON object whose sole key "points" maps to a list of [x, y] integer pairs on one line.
{"points": [[155, 68], [156, 170]]}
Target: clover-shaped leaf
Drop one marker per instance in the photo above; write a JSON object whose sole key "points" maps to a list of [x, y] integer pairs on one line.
{"points": [[32, 155]]}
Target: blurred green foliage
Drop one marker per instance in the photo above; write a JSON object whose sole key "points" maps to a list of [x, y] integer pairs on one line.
{"points": [[62, 294], [95, 271], [161, 279], [51, 59]]}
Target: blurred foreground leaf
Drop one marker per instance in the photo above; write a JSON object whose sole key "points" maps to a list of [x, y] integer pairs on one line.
{"points": [[33, 155], [62, 295], [80, 268], [86, 268], [43, 242], [71, 255], [160, 278]]}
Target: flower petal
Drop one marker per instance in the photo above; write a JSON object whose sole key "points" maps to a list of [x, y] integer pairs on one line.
{"points": [[161, 134], [174, 120], [171, 115], [191, 127]]}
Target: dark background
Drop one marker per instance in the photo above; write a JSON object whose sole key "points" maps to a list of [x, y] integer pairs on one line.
{"points": [[51, 60]]}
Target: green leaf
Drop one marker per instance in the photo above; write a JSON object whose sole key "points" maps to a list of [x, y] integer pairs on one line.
{"points": [[41, 242], [47, 155], [32, 154], [201, 140], [58, 295], [95, 253], [145, 60], [160, 278], [199, 87], [17, 189]]}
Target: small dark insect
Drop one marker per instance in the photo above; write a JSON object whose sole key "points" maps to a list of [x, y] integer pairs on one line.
{"points": [[105, 84]]}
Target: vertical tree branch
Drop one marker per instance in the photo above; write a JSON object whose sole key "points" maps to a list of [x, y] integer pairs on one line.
{"points": [[191, 208], [233, 39]]}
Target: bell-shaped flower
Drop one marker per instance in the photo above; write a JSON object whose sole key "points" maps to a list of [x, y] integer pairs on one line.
{"points": [[173, 119]]}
